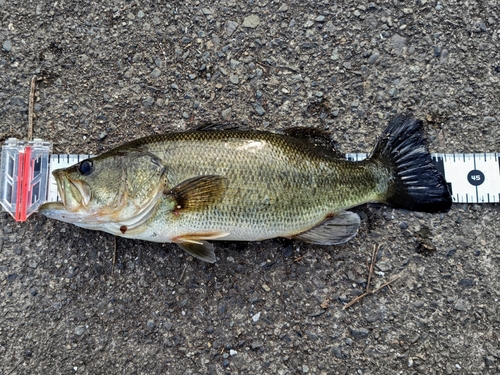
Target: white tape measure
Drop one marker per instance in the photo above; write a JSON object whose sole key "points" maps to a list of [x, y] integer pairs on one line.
{"points": [[26, 179]]}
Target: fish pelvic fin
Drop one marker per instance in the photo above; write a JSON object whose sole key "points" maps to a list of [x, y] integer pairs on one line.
{"points": [[334, 230], [415, 184], [197, 192]]}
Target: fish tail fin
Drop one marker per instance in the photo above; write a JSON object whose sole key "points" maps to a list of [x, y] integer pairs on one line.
{"points": [[415, 184]]}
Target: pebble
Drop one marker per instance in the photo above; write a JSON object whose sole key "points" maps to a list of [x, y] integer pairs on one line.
{"points": [[231, 27], [259, 109], [283, 8], [226, 114], [466, 282], [373, 58], [444, 57], [459, 305], [32, 263], [489, 119], [234, 63], [398, 43], [418, 303], [489, 360], [79, 330], [359, 333], [7, 46], [337, 352], [234, 79], [403, 225], [320, 19], [232, 352], [384, 265], [266, 287], [222, 308], [155, 73], [305, 369], [148, 102], [150, 325], [374, 315], [256, 317], [251, 21], [257, 344], [102, 135]]}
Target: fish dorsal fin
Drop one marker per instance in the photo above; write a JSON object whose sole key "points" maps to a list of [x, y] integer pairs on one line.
{"points": [[197, 192], [333, 231], [317, 140], [195, 244], [210, 126]]}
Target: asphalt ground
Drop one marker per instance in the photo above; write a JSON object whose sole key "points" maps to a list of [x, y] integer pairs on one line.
{"points": [[112, 71]]}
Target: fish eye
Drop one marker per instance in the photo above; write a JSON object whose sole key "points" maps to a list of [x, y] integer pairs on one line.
{"points": [[86, 167]]}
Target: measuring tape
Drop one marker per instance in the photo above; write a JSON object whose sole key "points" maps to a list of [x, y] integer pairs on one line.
{"points": [[26, 179]]}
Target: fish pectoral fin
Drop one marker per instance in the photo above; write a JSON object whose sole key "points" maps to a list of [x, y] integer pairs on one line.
{"points": [[332, 231], [197, 192], [195, 245]]}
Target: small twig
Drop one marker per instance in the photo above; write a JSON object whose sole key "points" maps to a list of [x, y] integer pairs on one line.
{"points": [[30, 108], [183, 272], [370, 274], [370, 292], [385, 284], [355, 300]]}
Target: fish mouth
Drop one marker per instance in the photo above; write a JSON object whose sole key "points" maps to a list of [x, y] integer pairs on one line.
{"points": [[74, 194]]}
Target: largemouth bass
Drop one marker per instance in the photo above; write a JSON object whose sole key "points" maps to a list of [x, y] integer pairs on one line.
{"points": [[234, 185]]}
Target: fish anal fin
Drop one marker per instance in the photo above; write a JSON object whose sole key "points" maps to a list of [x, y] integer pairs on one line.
{"points": [[201, 250], [334, 230], [195, 244], [197, 192]]}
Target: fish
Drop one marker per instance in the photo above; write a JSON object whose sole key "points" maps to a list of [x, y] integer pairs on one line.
{"points": [[216, 184]]}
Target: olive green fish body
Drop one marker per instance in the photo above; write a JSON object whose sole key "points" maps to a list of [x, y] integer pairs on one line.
{"points": [[276, 187]]}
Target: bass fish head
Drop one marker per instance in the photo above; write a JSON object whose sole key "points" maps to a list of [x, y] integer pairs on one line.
{"points": [[116, 187]]}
